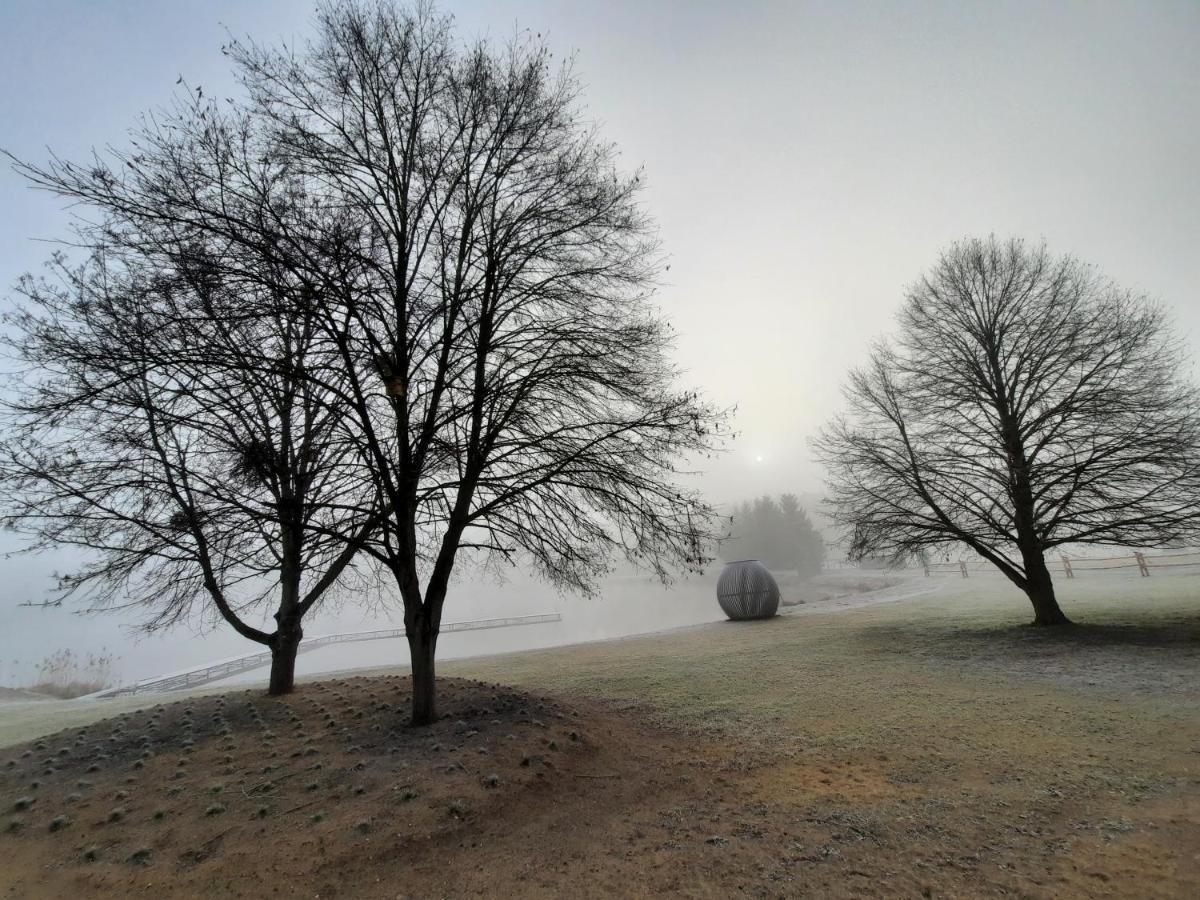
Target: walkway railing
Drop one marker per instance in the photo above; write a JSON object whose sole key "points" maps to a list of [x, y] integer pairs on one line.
{"points": [[217, 671]]}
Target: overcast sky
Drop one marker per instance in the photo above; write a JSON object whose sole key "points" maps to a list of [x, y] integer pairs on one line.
{"points": [[805, 160]]}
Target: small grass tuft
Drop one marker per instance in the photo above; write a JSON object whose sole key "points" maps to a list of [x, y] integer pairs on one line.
{"points": [[215, 809], [457, 808], [58, 823]]}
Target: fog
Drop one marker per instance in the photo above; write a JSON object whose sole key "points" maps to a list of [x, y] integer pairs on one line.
{"points": [[805, 161]]}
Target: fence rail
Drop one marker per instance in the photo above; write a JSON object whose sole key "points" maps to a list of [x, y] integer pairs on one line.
{"points": [[1070, 566], [217, 671]]}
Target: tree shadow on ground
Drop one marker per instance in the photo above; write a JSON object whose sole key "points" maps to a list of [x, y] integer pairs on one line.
{"points": [[1159, 652]]}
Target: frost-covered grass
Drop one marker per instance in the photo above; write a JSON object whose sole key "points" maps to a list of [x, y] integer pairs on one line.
{"points": [[1132, 633]]}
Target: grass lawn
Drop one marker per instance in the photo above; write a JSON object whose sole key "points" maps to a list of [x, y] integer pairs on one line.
{"points": [[929, 747]]}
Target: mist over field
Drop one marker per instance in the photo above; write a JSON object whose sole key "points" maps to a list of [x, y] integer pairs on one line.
{"points": [[805, 163]]}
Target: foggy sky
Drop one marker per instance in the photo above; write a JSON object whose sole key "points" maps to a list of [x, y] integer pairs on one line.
{"points": [[805, 161]]}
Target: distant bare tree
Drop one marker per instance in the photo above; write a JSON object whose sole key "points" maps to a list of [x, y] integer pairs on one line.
{"points": [[165, 424], [1026, 403]]}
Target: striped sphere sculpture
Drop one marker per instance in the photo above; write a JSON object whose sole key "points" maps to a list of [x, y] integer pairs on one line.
{"points": [[746, 590]]}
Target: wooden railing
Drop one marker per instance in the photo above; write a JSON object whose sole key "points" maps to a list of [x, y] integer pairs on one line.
{"points": [[1072, 566], [217, 671]]}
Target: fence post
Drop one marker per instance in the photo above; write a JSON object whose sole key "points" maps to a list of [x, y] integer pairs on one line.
{"points": [[1067, 566], [962, 567], [1141, 561]]}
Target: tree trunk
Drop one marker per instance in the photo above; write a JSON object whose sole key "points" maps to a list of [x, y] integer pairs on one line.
{"points": [[284, 646], [1040, 588], [422, 644]]}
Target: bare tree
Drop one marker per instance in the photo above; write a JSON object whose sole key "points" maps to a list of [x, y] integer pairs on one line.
{"points": [[479, 277], [509, 379], [1026, 403], [166, 424]]}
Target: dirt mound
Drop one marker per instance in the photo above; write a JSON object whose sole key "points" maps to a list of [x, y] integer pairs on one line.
{"points": [[246, 794]]}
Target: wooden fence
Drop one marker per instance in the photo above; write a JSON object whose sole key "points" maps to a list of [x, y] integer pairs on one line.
{"points": [[1071, 566]]}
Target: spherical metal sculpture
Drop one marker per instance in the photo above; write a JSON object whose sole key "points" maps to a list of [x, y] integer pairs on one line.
{"points": [[746, 590]]}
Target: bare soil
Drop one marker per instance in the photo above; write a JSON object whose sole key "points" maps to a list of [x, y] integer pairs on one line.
{"points": [[925, 748]]}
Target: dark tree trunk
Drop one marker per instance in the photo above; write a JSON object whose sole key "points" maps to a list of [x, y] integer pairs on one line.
{"points": [[285, 642], [284, 646], [1038, 584], [422, 623], [1040, 589], [422, 646]]}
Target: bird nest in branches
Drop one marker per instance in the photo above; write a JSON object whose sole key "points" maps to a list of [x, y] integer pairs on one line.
{"points": [[254, 462]]}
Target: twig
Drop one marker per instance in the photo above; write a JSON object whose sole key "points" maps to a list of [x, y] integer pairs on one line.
{"points": [[300, 807]]}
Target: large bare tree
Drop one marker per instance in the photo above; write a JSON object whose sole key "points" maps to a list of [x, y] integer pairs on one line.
{"points": [[1026, 403], [479, 277], [509, 377]]}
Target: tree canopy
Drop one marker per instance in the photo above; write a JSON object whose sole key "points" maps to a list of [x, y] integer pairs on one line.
{"points": [[474, 275], [777, 532], [1025, 403]]}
